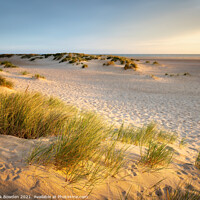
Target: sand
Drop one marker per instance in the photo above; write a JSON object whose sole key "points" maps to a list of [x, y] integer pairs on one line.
{"points": [[120, 96]]}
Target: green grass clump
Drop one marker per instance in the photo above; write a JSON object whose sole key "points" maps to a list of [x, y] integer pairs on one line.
{"points": [[130, 66], [79, 152], [25, 73], [186, 74], [6, 83], [142, 136], [8, 64], [38, 76], [157, 155], [183, 194], [1, 70], [109, 63], [197, 162], [32, 115], [155, 63], [85, 66]]}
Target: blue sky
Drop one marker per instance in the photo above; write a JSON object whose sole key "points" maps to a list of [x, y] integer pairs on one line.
{"points": [[100, 26]]}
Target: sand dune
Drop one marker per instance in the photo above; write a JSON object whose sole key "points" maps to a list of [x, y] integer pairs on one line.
{"points": [[120, 96]]}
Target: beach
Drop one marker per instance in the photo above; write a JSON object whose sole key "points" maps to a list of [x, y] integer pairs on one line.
{"points": [[167, 93]]}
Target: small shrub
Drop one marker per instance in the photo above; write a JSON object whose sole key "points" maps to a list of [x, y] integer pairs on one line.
{"points": [[109, 63], [147, 61], [137, 60], [166, 74], [130, 66], [32, 59], [186, 74], [8, 64], [85, 66], [1, 70], [157, 155], [197, 162], [183, 142], [73, 61], [47, 55], [155, 63], [38, 76], [25, 73], [6, 83]]}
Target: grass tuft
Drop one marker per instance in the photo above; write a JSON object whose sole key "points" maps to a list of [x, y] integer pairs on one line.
{"points": [[25, 73], [79, 152], [156, 155], [197, 162], [85, 66], [183, 194], [155, 63], [109, 63], [142, 136], [31, 115], [38, 76], [8, 64], [6, 83]]}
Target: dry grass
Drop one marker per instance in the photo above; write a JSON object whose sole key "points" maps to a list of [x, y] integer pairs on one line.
{"points": [[6, 83]]}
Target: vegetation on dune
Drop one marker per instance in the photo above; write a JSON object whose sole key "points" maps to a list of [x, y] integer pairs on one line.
{"points": [[157, 155], [6, 83], [82, 158], [142, 136], [155, 63], [83, 148], [109, 63], [6, 55], [147, 61], [7, 64], [85, 66], [38, 57], [38, 76], [25, 73], [197, 162], [28, 56], [58, 56], [131, 65], [184, 74], [1, 70], [47, 55], [182, 194], [156, 140], [31, 115]]}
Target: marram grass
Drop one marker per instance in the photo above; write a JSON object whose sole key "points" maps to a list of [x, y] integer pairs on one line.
{"points": [[79, 152], [5, 83], [197, 162], [32, 115], [157, 155], [142, 136]]}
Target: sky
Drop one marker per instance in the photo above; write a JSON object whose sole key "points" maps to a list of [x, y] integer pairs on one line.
{"points": [[100, 26]]}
